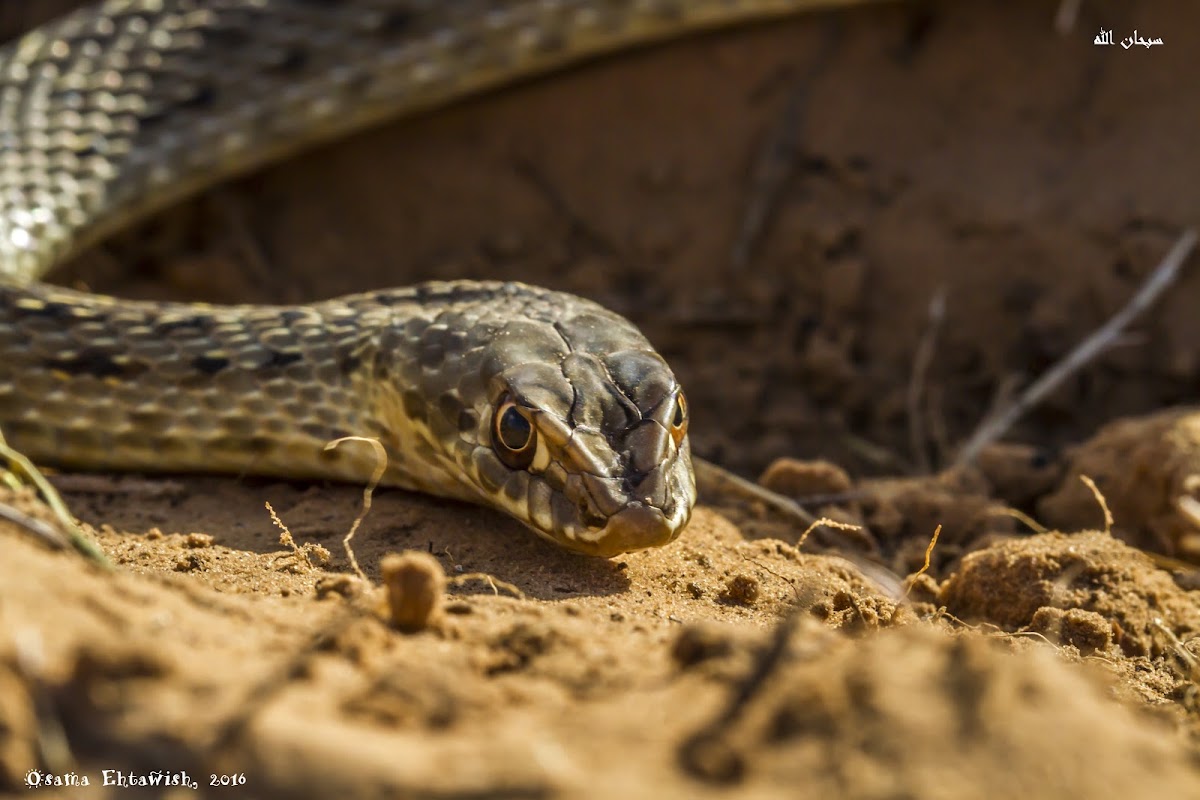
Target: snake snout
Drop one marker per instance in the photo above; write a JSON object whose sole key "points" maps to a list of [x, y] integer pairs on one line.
{"points": [[634, 527], [623, 514]]}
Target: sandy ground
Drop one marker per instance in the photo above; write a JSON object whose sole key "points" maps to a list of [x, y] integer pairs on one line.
{"points": [[968, 148]]}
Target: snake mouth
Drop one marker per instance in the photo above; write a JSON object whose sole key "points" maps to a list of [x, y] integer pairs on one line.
{"points": [[635, 527]]}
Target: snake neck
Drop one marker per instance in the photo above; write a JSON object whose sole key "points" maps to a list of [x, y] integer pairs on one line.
{"points": [[91, 382]]}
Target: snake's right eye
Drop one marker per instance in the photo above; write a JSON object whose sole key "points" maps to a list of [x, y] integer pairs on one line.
{"points": [[513, 437], [679, 420]]}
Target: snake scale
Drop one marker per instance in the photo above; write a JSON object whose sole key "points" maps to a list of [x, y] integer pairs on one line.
{"points": [[541, 404]]}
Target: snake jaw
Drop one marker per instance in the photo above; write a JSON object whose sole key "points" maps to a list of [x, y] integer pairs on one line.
{"points": [[640, 524], [635, 527]]}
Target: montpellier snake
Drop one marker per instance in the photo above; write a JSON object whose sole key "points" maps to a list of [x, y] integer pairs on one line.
{"points": [[541, 404]]}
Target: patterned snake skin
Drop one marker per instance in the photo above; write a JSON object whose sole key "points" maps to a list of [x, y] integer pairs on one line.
{"points": [[540, 404]]}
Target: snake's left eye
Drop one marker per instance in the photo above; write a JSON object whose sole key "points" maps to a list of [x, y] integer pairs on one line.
{"points": [[513, 436], [679, 420]]}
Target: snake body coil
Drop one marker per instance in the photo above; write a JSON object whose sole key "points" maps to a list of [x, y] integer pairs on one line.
{"points": [[541, 404]]}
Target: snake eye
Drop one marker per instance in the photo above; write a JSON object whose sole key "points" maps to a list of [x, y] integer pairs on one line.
{"points": [[513, 437], [679, 421]]}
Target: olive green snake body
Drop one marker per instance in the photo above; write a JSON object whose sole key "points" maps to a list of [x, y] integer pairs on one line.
{"points": [[543, 405]]}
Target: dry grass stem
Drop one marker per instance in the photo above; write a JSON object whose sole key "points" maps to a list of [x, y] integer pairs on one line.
{"points": [[1108, 517], [928, 555], [1018, 515], [381, 461], [491, 581], [828, 523], [309, 554], [79, 540]]}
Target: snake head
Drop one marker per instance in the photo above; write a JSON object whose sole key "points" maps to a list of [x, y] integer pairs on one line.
{"points": [[583, 436]]}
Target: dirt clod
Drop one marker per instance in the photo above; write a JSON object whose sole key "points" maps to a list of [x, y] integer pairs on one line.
{"points": [[1008, 583], [741, 589], [415, 588], [799, 479], [1146, 468], [1087, 631]]}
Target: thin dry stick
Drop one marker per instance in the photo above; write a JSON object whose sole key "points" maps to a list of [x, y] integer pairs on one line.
{"points": [[876, 454], [1108, 517], [1185, 656], [10, 480], [249, 251], [1186, 503], [775, 165], [1002, 395], [772, 572], [1171, 564], [42, 530], [1102, 339], [491, 581], [922, 360], [381, 461], [1018, 515], [726, 482], [287, 535]]}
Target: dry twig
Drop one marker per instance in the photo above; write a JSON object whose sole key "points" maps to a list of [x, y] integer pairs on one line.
{"points": [[922, 360], [722, 481], [1102, 339]]}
